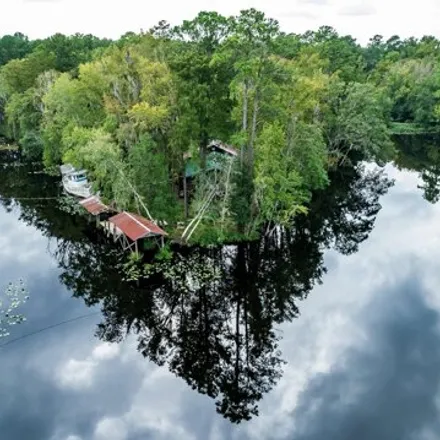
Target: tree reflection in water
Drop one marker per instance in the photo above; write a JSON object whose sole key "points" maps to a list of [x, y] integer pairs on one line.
{"points": [[422, 154], [211, 315]]}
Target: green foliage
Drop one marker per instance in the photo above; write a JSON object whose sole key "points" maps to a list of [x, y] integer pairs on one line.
{"points": [[279, 190], [70, 205], [102, 158], [410, 128], [24, 119], [32, 146], [149, 174], [344, 55], [203, 99], [133, 112], [19, 75], [14, 47], [132, 268], [72, 101], [308, 152], [413, 86], [165, 254], [208, 235], [241, 200], [71, 51], [358, 122]]}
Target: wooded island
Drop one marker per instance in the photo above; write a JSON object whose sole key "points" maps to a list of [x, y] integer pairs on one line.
{"points": [[227, 122]]}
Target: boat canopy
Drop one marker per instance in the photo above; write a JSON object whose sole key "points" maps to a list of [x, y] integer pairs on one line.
{"points": [[67, 169], [78, 176]]}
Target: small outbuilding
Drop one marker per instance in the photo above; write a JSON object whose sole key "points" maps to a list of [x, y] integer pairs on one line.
{"points": [[129, 229]]}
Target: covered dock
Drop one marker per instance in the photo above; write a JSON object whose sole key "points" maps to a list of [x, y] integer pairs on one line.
{"points": [[94, 206], [129, 228]]}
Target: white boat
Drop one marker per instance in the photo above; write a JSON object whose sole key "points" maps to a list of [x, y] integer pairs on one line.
{"points": [[75, 182]]}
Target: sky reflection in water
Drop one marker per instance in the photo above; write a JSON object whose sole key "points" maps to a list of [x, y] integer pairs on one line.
{"points": [[362, 360]]}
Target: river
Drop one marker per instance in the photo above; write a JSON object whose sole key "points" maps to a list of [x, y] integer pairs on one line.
{"points": [[329, 330]]}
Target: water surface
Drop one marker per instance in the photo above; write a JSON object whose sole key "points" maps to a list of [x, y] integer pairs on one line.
{"points": [[338, 332]]}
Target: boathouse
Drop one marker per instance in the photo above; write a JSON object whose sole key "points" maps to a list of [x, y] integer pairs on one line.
{"points": [[129, 229]]}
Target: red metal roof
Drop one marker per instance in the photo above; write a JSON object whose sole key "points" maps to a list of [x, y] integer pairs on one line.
{"points": [[135, 227], [94, 205]]}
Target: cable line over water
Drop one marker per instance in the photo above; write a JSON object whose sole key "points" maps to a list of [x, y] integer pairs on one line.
{"points": [[68, 321]]}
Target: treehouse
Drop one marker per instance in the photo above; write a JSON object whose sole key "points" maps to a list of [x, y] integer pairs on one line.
{"points": [[216, 158], [219, 155]]}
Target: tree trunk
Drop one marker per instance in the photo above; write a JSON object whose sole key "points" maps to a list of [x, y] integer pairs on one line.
{"points": [[254, 131], [245, 117], [237, 343], [245, 106], [204, 139], [226, 196], [291, 133], [185, 194]]}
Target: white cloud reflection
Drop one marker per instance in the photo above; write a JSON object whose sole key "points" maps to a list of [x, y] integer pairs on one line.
{"points": [[373, 306], [79, 374]]}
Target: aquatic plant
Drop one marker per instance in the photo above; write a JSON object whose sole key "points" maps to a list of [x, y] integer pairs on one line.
{"points": [[12, 298]]}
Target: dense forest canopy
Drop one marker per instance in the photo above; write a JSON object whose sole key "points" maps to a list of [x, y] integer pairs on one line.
{"points": [[143, 110]]}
